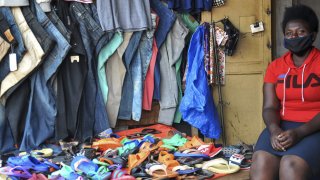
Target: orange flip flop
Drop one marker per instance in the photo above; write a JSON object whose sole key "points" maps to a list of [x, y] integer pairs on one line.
{"points": [[168, 160], [135, 160], [148, 146], [107, 143], [193, 143]]}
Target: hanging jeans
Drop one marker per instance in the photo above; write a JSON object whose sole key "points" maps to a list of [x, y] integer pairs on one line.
{"points": [[6, 36], [30, 61], [141, 61], [44, 39], [19, 48], [16, 112], [6, 140], [125, 110], [167, 18], [5, 31], [93, 117], [42, 110], [171, 51], [59, 25]]}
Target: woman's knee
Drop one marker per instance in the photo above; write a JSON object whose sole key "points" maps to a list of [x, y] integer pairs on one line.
{"points": [[294, 167], [264, 166]]}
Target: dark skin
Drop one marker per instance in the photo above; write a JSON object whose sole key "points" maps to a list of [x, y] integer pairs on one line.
{"points": [[266, 165]]}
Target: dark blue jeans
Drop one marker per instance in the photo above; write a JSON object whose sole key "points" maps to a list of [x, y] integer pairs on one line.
{"points": [[16, 109], [44, 39], [42, 111], [93, 117], [59, 25], [125, 109], [19, 48], [5, 31], [167, 18], [7, 141]]}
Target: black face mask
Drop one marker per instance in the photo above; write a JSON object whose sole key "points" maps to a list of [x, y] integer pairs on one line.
{"points": [[299, 45]]}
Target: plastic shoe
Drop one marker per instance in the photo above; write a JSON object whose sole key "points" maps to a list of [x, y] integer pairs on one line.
{"points": [[135, 160], [210, 150], [220, 166], [83, 164], [176, 140], [45, 152], [108, 143], [193, 143], [17, 171], [28, 162], [66, 172], [101, 174]]}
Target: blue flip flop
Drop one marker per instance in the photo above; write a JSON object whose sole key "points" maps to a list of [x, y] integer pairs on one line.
{"points": [[28, 162], [187, 171], [83, 164]]}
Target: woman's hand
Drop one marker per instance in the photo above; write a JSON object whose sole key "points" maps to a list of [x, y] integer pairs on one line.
{"points": [[289, 138], [276, 145]]}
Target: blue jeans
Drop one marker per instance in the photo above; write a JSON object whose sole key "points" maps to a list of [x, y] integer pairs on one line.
{"points": [[138, 70], [19, 48], [59, 25], [93, 117], [44, 39], [125, 109], [167, 18], [6, 140], [145, 50], [16, 109], [42, 110]]}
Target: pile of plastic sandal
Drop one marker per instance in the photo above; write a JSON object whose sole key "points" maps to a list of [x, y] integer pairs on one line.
{"points": [[140, 155]]}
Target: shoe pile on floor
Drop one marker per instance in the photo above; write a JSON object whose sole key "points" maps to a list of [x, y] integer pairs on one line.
{"points": [[141, 155]]}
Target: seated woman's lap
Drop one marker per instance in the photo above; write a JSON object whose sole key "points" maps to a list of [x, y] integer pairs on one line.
{"points": [[307, 149]]}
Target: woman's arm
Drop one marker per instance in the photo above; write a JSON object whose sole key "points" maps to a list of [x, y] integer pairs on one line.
{"points": [[271, 114]]}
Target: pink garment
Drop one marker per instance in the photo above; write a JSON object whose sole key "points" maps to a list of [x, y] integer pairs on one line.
{"points": [[81, 1], [149, 81]]}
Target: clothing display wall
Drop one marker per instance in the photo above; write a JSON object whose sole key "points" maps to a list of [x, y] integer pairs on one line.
{"points": [[81, 65]]}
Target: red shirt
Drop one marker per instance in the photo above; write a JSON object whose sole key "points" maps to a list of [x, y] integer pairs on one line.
{"points": [[300, 102]]}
